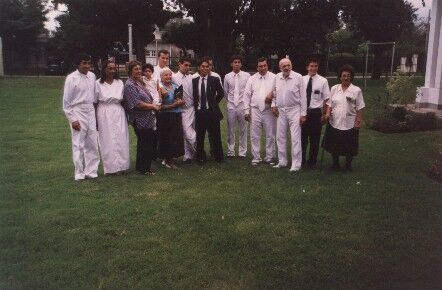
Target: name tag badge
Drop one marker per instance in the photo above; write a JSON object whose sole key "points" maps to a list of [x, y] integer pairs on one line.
{"points": [[317, 92]]}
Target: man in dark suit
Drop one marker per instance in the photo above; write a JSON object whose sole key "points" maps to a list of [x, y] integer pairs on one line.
{"points": [[207, 93]]}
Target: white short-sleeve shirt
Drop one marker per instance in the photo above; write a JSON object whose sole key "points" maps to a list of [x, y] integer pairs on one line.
{"points": [[344, 105]]}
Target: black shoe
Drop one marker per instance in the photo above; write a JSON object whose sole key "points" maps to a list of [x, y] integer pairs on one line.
{"points": [[188, 161]]}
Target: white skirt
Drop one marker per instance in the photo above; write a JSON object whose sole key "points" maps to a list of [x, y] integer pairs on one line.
{"points": [[113, 137]]}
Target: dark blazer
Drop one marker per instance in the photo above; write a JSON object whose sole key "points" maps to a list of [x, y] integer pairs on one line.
{"points": [[214, 93]]}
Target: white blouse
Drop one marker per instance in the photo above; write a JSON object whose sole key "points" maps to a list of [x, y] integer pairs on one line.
{"points": [[344, 105], [109, 93]]}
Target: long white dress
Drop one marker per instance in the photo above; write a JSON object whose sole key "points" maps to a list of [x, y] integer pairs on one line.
{"points": [[112, 127]]}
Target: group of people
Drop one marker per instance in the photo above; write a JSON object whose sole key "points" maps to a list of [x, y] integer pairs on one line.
{"points": [[171, 113]]}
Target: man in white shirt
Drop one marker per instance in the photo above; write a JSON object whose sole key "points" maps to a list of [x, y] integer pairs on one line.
{"points": [[162, 62], [290, 106], [234, 86], [183, 78], [257, 100], [318, 92], [211, 72], [79, 103]]}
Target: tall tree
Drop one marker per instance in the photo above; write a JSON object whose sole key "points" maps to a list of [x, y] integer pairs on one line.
{"points": [[379, 21], [93, 25], [265, 26], [21, 23], [216, 24]]}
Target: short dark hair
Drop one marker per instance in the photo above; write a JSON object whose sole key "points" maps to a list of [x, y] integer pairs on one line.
{"points": [[82, 57], [310, 60], [131, 65], [104, 65], [261, 59], [346, 68], [147, 66], [184, 59], [236, 57], [204, 59], [163, 51]]}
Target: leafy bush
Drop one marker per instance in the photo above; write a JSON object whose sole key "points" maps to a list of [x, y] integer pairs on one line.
{"points": [[402, 88], [399, 120]]}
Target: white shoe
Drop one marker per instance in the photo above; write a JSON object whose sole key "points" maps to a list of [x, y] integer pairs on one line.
{"points": [[279, 166], [294, 169], [255, 163]]}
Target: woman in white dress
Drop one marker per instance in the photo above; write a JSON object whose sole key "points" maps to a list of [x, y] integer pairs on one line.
{"points": [[111, 121]]}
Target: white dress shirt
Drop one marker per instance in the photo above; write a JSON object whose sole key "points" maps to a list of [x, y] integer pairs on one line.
{"points": [[320, 90], [289, 92], [200, 81], [212, 73], [157, 72], [79, 89], [181, 79], [344, 105], [234, 87], [257, 88]]}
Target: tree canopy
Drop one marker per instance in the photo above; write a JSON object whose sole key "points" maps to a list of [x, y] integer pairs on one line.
{"points": [[94, 25]]}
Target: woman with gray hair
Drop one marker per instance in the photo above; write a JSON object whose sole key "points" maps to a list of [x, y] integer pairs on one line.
{"points": [[170, 128]]}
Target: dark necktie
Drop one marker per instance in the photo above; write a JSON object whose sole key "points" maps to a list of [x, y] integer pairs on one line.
{"points": [[309, 91], [203, 95]]}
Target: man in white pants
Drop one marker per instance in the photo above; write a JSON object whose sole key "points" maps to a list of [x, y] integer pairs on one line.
{"points": [[183, 78], [289, 105], [234, 86], [79, 107], [257, 101]]}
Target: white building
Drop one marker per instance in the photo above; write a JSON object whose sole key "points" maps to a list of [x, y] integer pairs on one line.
{"points": [[158, 44], [431, 93]]}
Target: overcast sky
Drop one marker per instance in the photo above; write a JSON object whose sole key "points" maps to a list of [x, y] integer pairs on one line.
{"points": [[51, 24]]}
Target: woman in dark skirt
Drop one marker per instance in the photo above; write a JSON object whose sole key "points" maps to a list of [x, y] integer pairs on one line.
{"points": [[171, 141], [138, 103], [344, 115]]}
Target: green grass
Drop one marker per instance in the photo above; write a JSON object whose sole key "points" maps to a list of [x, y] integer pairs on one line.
{"points": [[227, 226]]}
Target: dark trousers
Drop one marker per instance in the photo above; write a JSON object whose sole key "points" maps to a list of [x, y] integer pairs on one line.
{"points": [[145, 149], [311, 133], [204, 121]]}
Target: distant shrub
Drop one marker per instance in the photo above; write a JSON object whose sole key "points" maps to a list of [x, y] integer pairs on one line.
{"points": [[400, 120], [402, 88]]}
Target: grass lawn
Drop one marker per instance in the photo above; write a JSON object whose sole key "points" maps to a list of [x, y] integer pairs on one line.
{"points": [[227, 226]]}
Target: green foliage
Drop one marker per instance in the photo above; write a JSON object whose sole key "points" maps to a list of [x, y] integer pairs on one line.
{"points": [[379, 21], [94, 25], [402, 88]]}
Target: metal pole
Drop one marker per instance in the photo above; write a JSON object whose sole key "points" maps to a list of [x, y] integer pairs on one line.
{"points": [[156, 50], [392, 59], [2, 71], [131, 57], [366, 66]]}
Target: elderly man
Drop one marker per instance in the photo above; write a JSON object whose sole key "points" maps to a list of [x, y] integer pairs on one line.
{"points": [[257, 101], [78, 105], [289, 105], [183, 78], [234, 85]]}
